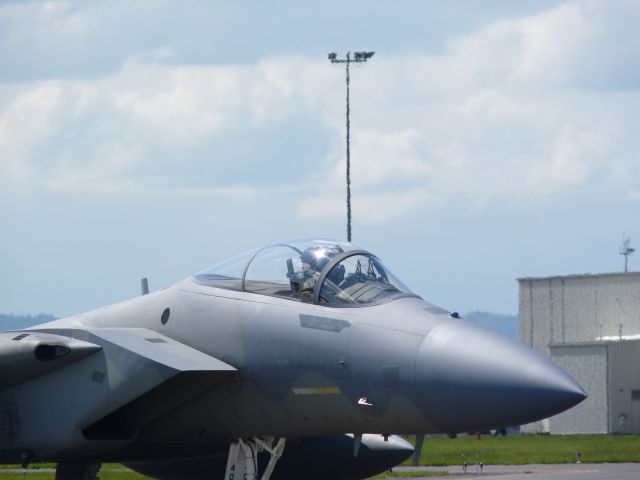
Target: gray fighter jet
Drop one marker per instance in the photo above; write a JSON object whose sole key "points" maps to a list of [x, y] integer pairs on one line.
{"points": [[296, 360]]}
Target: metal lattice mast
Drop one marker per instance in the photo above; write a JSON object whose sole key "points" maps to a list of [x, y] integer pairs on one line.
{"points": [[348, 154], [358, 57], [626, 250]]}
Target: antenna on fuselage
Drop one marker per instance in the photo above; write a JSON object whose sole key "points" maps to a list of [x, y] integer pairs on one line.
{"points": [[144, 286]]}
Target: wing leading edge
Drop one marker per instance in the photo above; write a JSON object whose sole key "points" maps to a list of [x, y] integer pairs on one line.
{"points": [[114, 381]]}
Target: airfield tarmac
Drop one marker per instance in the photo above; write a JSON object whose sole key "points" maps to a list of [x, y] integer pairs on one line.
{"points": [[583, 471]]}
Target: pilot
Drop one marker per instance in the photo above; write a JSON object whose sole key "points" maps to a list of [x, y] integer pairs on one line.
{"points": [[313, 260], [336, 275]]}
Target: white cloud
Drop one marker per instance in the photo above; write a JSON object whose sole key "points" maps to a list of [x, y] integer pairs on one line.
{"points": [[30, 118], [181, 105], [574, 156], [368, 207], [382, 157], [502, 116], [548, 43]]}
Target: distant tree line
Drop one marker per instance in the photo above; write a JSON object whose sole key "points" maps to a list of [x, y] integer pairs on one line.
{"points": [[17, 322], [507, 325]]}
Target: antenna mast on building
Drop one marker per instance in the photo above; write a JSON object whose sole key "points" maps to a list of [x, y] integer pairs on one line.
{"points": [[626, 250]]}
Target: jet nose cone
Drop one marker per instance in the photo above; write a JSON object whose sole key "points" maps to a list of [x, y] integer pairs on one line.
{"points": [[472, 379]]}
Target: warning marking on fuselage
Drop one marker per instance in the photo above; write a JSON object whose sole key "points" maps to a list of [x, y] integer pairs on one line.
{"points": [[323, 323], [316, 391]]}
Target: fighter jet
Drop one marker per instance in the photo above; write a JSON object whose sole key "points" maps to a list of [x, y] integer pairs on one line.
{"points": [[302, 359]]}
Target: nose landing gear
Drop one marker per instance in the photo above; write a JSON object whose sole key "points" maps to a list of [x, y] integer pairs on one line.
{"points": [[242, 463]]}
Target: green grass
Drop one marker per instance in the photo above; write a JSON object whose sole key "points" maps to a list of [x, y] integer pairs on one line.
{"points": [[440, 450], [118, 472], [109, 471], [414, 474], [518, 450]]}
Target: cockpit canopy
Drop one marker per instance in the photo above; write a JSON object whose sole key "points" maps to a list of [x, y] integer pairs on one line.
{"points": [[316, 271]]}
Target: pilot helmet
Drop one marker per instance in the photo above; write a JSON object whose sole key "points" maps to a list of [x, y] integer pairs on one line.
{"points": [[315, 258]]}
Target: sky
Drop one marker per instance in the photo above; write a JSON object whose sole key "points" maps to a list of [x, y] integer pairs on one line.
{"points": [[490, 141]]}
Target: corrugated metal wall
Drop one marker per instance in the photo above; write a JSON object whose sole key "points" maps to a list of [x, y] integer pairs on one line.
{"points": [[588, 366], [619, 305], [581, 309], [525, 313], [578, 308], [624, 378]]}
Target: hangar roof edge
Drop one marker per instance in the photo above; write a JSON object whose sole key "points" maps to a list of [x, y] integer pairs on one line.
{"points": [[581, 275]]}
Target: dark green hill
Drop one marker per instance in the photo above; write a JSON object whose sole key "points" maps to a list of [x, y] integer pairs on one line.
{"points": [[507, 325], [18, 322]]}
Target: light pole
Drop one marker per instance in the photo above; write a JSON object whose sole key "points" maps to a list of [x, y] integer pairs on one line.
{"points": [[358, 57]]}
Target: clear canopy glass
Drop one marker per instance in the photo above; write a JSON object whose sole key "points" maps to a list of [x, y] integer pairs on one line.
{"points": [[320, 271], [360, 279], [228, 274]]}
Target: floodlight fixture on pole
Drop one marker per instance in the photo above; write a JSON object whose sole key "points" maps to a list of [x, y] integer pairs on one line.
{"points": [[358, 57], [626, 250]]}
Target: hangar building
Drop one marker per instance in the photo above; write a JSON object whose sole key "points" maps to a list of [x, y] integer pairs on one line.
{"points": [[590, 326]]}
